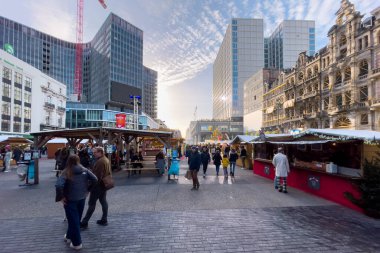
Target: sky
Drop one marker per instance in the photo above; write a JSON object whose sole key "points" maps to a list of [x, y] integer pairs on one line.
{"points": [[181, 37]]}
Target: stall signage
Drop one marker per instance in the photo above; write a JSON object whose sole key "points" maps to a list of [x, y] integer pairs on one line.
{"points": [[313, 182], [120, 120], [267, 170]]}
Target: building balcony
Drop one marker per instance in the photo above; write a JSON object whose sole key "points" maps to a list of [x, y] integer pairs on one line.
{"points": [[312, 77], [376, 72], [49, 105], [309, 94], [375, 103], [61, 109]]}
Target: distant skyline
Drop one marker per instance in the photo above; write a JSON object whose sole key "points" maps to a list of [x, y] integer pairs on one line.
{"points": [[181, 38]]}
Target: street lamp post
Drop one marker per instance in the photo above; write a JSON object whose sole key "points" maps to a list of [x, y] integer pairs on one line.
{"points": [[135, 102]]}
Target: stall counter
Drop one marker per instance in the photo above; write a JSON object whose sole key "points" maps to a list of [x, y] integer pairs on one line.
{"points": [[325, 185]]}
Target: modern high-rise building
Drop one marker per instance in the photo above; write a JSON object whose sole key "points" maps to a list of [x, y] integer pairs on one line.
{"points": [[240, 56], [245, 51], [150, 92], [289, 39], [112, 61]]}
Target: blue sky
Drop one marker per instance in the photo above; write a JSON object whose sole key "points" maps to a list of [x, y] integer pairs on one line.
{"points": [[181, 37]]}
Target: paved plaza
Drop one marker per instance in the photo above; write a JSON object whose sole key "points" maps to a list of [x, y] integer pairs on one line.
{"points": [[148, 213]]}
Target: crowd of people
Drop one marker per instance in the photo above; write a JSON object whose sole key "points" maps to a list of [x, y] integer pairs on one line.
{"points": [[224, 156]]}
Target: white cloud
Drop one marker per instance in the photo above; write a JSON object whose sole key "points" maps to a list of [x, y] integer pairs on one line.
{"points": [[55, 18]]}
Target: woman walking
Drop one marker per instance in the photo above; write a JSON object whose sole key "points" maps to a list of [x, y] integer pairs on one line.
{"points": [[72, 188], [7, 159]]}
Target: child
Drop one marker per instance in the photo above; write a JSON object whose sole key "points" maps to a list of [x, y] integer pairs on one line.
{"points": [[225, 163]]}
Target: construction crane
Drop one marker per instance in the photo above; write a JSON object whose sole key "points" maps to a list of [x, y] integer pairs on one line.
{"points": [[79, 48]]}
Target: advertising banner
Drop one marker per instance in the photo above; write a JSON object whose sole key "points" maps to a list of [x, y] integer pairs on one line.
{"points": [[120, 120]]}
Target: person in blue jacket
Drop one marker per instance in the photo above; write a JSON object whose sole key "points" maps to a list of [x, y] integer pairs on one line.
{"points": [[72, 187], [194, 166]]}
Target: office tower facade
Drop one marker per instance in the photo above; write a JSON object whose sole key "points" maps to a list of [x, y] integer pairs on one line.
{"points": [[289, 39], [240, 56], [150, 92], [112, 61]]}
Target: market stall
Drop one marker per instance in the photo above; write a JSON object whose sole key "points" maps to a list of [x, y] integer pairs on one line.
{"points": [[244, 140], [322, 161]]}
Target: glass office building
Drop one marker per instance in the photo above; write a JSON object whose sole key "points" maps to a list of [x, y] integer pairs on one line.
{"points": [[112, 62], [149, 97], [240, 56], [289, 39], [245, 51], [82, 115]]}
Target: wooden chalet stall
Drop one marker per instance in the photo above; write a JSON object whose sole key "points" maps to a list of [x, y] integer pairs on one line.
{"points": [[120, 137], [244, 140], [322, 161]]}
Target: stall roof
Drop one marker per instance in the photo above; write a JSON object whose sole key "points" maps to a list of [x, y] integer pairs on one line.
{"points": [[343, 133], [242, 138], [95, 131], [74, 136]]}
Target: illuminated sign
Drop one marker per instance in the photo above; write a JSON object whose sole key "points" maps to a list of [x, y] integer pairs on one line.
{"points": [[9, 49]]}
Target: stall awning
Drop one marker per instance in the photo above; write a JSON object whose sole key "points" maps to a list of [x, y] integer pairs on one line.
{"points": [[243, 138], [342, 134], [299, 142]]}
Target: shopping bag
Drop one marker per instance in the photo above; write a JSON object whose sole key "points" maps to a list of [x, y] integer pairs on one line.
{"points": [[108, 182], [188, 175]]}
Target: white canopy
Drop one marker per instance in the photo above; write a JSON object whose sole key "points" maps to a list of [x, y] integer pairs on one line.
{"points": [[345, 133]]}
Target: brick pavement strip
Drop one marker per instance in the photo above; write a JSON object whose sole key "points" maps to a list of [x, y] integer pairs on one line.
{"points": [[313, 229]]}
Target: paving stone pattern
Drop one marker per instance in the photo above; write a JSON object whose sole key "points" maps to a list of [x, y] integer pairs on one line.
{"points": [[307, 225]]}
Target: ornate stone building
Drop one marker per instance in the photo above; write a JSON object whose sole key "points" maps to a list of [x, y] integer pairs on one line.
{"points": [[337, 88]]}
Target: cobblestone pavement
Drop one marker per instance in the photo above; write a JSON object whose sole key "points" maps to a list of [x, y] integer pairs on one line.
{"points": [[150, 214]]}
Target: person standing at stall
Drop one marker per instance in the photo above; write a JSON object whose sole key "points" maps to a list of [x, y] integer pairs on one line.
{"points": [[281, 163], [102, 168], [71, 190], [194, 166], [243, 156]]}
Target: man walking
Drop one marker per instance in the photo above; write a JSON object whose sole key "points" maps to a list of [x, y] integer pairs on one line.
{"points": [[280, 161], [102, 168], [194, 166], [206, 159]]}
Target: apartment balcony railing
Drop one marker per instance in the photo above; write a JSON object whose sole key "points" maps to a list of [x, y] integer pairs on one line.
{"points": [[375, 102], [49, 105], [61, 109], [376, 71], [309, 94]]}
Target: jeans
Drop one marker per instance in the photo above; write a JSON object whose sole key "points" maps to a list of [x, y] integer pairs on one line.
{"points": [[74, 211], [243, 161], [217, 166], [97, 193], [232, 167]]}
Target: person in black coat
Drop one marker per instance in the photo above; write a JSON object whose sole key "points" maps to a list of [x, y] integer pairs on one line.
{"points": [[205, 158], [194, 166], [217, 158], [233, 157]]}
